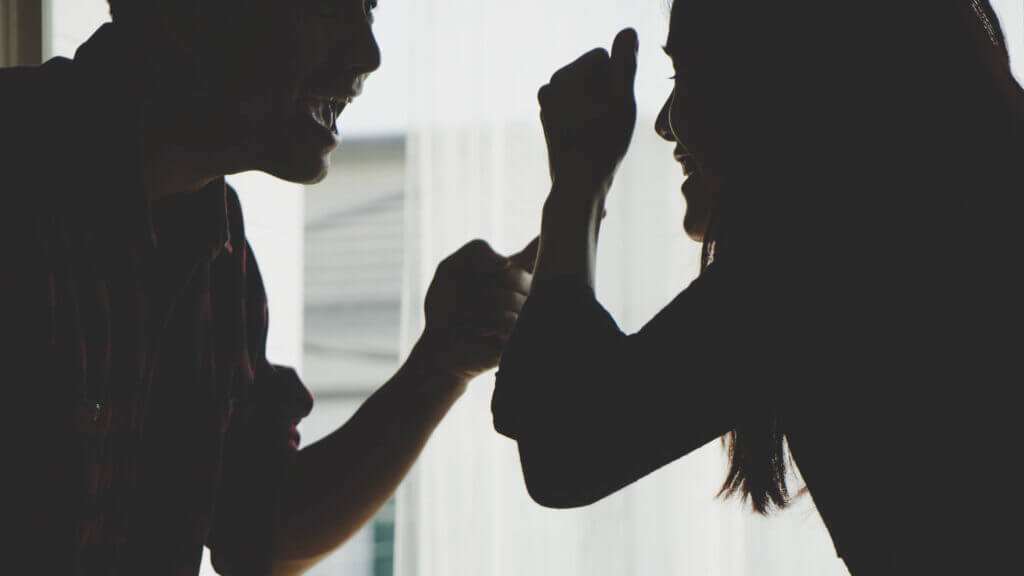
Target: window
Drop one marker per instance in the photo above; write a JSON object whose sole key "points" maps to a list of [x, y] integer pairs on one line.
{"points": [[353, 253]]}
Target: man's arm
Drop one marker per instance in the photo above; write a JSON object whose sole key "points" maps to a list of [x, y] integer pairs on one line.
{"points": [[333, 487], [337, 484]]}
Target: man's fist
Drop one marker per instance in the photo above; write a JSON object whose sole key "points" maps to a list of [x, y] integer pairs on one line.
{"points": [[472, 305]]}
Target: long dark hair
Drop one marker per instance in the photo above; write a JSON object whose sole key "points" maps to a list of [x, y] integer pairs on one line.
{"points": [[757, 447]]}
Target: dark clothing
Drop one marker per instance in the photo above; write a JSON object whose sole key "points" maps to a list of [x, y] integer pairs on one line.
{"points": [[149, 420], [866, 295], [895, 410]]}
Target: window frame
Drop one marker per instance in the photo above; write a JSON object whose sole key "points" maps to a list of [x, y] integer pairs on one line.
{"points": [[21, 32]]}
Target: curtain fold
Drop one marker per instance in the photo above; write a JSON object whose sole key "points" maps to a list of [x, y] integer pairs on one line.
{"points": [[478, 168]]}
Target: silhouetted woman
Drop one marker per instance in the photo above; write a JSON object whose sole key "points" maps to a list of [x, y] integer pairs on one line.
{"points": [[855, 171]]}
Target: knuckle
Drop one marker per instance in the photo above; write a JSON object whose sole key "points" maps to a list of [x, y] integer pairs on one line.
{"points": [[543, 93], [596, 59], [446, 265], [477, 246]]}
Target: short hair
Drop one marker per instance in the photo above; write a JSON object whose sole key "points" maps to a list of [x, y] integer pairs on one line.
{"points": [[125, 10], [117, 8]]}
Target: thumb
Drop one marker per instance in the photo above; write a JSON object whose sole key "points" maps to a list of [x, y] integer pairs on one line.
{"points": [[527, 257], [623, 60]]}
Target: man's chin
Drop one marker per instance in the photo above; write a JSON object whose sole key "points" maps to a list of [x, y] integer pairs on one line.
{"points": [[300, 152], [301, 173]]}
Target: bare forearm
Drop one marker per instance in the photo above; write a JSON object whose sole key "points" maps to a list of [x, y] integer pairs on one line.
{"points": [[569, 232], [337, 484]]}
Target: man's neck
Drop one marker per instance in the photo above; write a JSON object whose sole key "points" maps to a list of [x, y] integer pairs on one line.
{"points": [[188, 136], [188, 141]]}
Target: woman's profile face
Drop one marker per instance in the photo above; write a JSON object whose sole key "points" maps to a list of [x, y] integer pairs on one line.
{"points": [[686, 119]]}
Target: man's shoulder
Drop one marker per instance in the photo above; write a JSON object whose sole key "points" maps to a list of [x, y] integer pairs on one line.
{"points": [[29, 96], [34, 103], [33, 85]]}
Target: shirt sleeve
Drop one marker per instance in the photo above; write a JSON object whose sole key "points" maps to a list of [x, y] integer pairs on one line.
{"points": [[594, 409], [260, 441]]}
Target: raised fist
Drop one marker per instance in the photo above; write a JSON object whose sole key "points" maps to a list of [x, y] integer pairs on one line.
{"points": [[588, 110]]}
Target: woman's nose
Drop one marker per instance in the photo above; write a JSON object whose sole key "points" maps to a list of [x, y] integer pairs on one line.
{"points": [[662, 125]]}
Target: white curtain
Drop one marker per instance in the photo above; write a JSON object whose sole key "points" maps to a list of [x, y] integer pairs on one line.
{"points": [[477, 168]]}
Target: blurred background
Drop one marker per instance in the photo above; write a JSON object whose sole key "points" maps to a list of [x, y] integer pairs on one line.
{"points": [[444, 146]]}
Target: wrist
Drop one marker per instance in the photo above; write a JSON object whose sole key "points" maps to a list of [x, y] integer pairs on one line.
{"points": [[569, 230], [567, 202], [581, 185], [428, 361]]}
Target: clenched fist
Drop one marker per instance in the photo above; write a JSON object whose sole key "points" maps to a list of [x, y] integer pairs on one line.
{"points": [[472, 305], [589, 110]]}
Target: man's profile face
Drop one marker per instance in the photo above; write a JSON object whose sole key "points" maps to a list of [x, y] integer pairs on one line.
{"points": [[288, 67]]}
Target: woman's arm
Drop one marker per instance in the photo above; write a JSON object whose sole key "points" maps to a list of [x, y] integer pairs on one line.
{"points": [[591, 408], [588, 111], [594, 409]]}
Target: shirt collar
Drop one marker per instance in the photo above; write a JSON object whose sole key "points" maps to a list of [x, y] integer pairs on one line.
{"points": [[196, 226]]}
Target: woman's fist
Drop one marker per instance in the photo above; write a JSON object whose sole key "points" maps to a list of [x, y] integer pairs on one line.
{"points": [[588, 110]]}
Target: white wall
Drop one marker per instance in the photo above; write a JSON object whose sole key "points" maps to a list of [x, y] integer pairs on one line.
{"points": [[274, 224]]}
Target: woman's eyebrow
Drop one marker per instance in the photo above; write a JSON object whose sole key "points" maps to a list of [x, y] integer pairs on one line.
{"points": [[669, 46]]}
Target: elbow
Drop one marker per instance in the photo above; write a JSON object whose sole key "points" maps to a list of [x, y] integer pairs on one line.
{"points": [[514, 412], [557, 478], [559, 496], [563, 466]]}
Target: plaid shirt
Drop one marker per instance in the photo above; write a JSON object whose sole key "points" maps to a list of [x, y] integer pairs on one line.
{"points": [[145, 419]]}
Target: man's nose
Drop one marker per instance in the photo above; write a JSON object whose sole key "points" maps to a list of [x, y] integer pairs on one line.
{"points": [[663, 125], [365, 51]]}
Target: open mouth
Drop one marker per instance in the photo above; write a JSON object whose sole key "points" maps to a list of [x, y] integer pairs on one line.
{"points": [[687, 161], [689, 166], [325, 111]]}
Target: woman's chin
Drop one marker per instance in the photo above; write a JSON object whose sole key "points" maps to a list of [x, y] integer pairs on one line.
{"points": [[695, 224], [695, 221], [694, 233]]}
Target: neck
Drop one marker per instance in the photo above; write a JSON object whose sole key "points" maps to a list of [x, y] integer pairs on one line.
{"points": [[188, 135], [186, 145]]}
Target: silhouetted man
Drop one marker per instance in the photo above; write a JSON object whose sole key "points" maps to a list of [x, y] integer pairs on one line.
{"points": [[144, 418]]}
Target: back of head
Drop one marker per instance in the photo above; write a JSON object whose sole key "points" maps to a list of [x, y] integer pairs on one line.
{"points": [[132, 11], [901, 118]]}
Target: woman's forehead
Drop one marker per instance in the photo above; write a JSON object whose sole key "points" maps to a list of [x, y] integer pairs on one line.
{"points": [[682, 16]]}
